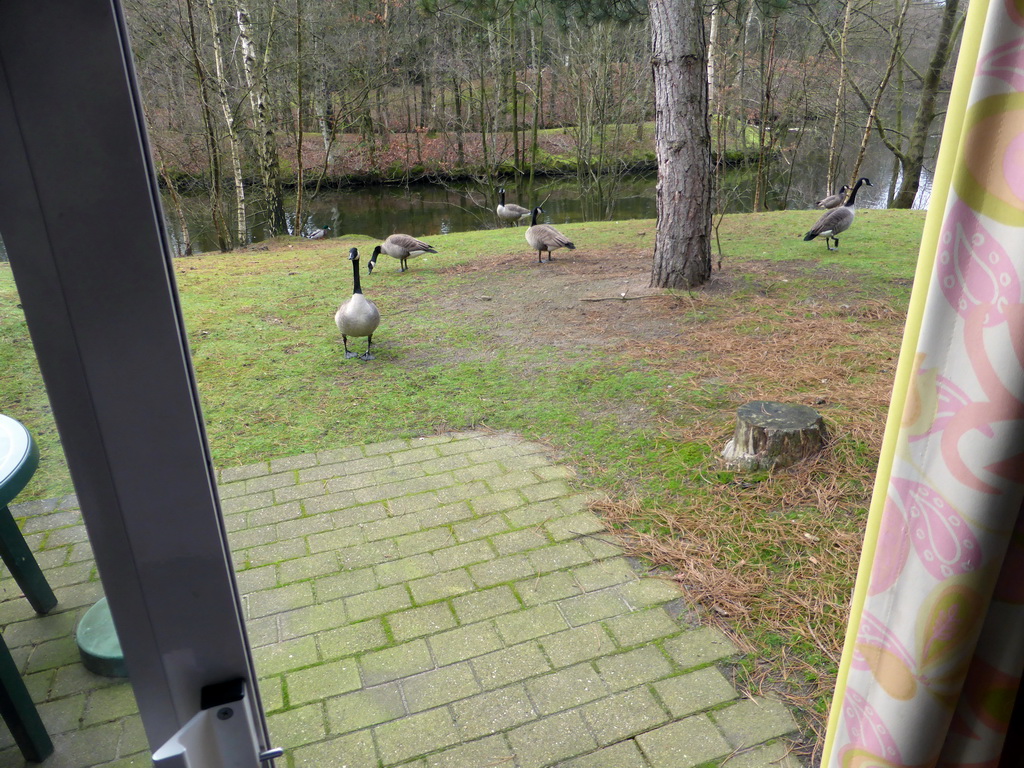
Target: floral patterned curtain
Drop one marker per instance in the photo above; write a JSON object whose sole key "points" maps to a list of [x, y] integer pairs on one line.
{"points": [[935, 646]]}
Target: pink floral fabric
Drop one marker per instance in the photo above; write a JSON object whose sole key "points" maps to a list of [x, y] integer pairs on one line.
{"points": [[938, 649]]}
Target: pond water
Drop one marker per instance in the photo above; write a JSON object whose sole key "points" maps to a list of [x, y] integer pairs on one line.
{"points": [[429, 209]]}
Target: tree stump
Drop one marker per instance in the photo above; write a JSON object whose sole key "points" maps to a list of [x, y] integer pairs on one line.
{"points": [[773, 435]]}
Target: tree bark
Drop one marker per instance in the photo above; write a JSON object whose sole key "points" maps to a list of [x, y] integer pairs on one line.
{"points": [[229, 121], [209, 135], [682, 248], [266, 138], [926, 109]]}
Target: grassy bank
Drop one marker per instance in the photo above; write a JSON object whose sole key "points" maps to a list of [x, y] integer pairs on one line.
{"points": [[636, 388]]}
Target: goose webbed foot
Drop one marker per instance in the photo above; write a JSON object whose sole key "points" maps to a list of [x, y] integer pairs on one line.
{"points": [[367, 356], [350, 354]]}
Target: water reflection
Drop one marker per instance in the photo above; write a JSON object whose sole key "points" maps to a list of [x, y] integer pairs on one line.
{"points": [[429, 209]]}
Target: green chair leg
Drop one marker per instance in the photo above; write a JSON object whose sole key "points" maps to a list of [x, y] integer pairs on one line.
{"points": [[19, 712], [22, 564]]}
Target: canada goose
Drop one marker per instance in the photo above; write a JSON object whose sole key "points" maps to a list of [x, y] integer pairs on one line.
{"points": [[401, 247], [544, 237], [318, 234], [510, 212], [838, 220], [834, 201], [358, 316]]}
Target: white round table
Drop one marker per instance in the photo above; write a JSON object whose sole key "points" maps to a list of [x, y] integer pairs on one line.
{"points": [[19, 458]]}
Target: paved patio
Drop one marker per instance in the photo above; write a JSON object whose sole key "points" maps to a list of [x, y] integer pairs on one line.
{"points": [[444, 602]]}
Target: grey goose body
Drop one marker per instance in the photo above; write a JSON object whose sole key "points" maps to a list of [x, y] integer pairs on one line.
{"points": [[358, 316], [510, 212], [836, 221], [834, 201], [544, 237], [401, 247]]}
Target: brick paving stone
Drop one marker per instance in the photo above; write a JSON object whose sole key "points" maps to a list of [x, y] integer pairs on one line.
{"points": [[592, 607], [352, 638], [370, 706], [363, 555], [492, 712], [775, 755], [297, 492], [445, 514], [488, 504], [684, 743], [490, 751], [276, 552], [272, 693], [624, 715], [368, 604], [500, 571], [418, 622], [549, 588], [258, 518], [486, 604], [510, 665], [625, 670], [338, 538], [480, 527], [699, 646], [279, 599], [286, 655], [293, 462], [441, 586], [306, 568], [440, 686], [553, 738], [606, 573], [520, 541], [642, 627], [566, 688], [336, 455], [415, 734], [464, 643], [645, 593], [559, 556], [295, 727], [625, 754], [574, 526], [394, 663], [406, 569], [530, 623], [461, 555], [344, 584], [576, 645], [754, 721], [424, 541], [695, 691], [269, 482], [231, 474], [310, 684], [354, 750], [61, 715]]}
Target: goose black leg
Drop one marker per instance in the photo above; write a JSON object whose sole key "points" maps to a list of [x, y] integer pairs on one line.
{"points": [[366, 355], [344, 340]]}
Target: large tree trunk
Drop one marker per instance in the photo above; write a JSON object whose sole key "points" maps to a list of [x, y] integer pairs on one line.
{"points": [[926, 109], [682, 247]]}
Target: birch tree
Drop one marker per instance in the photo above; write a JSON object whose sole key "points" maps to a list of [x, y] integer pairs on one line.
{"points": [[255, 68], [220, 85]]}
